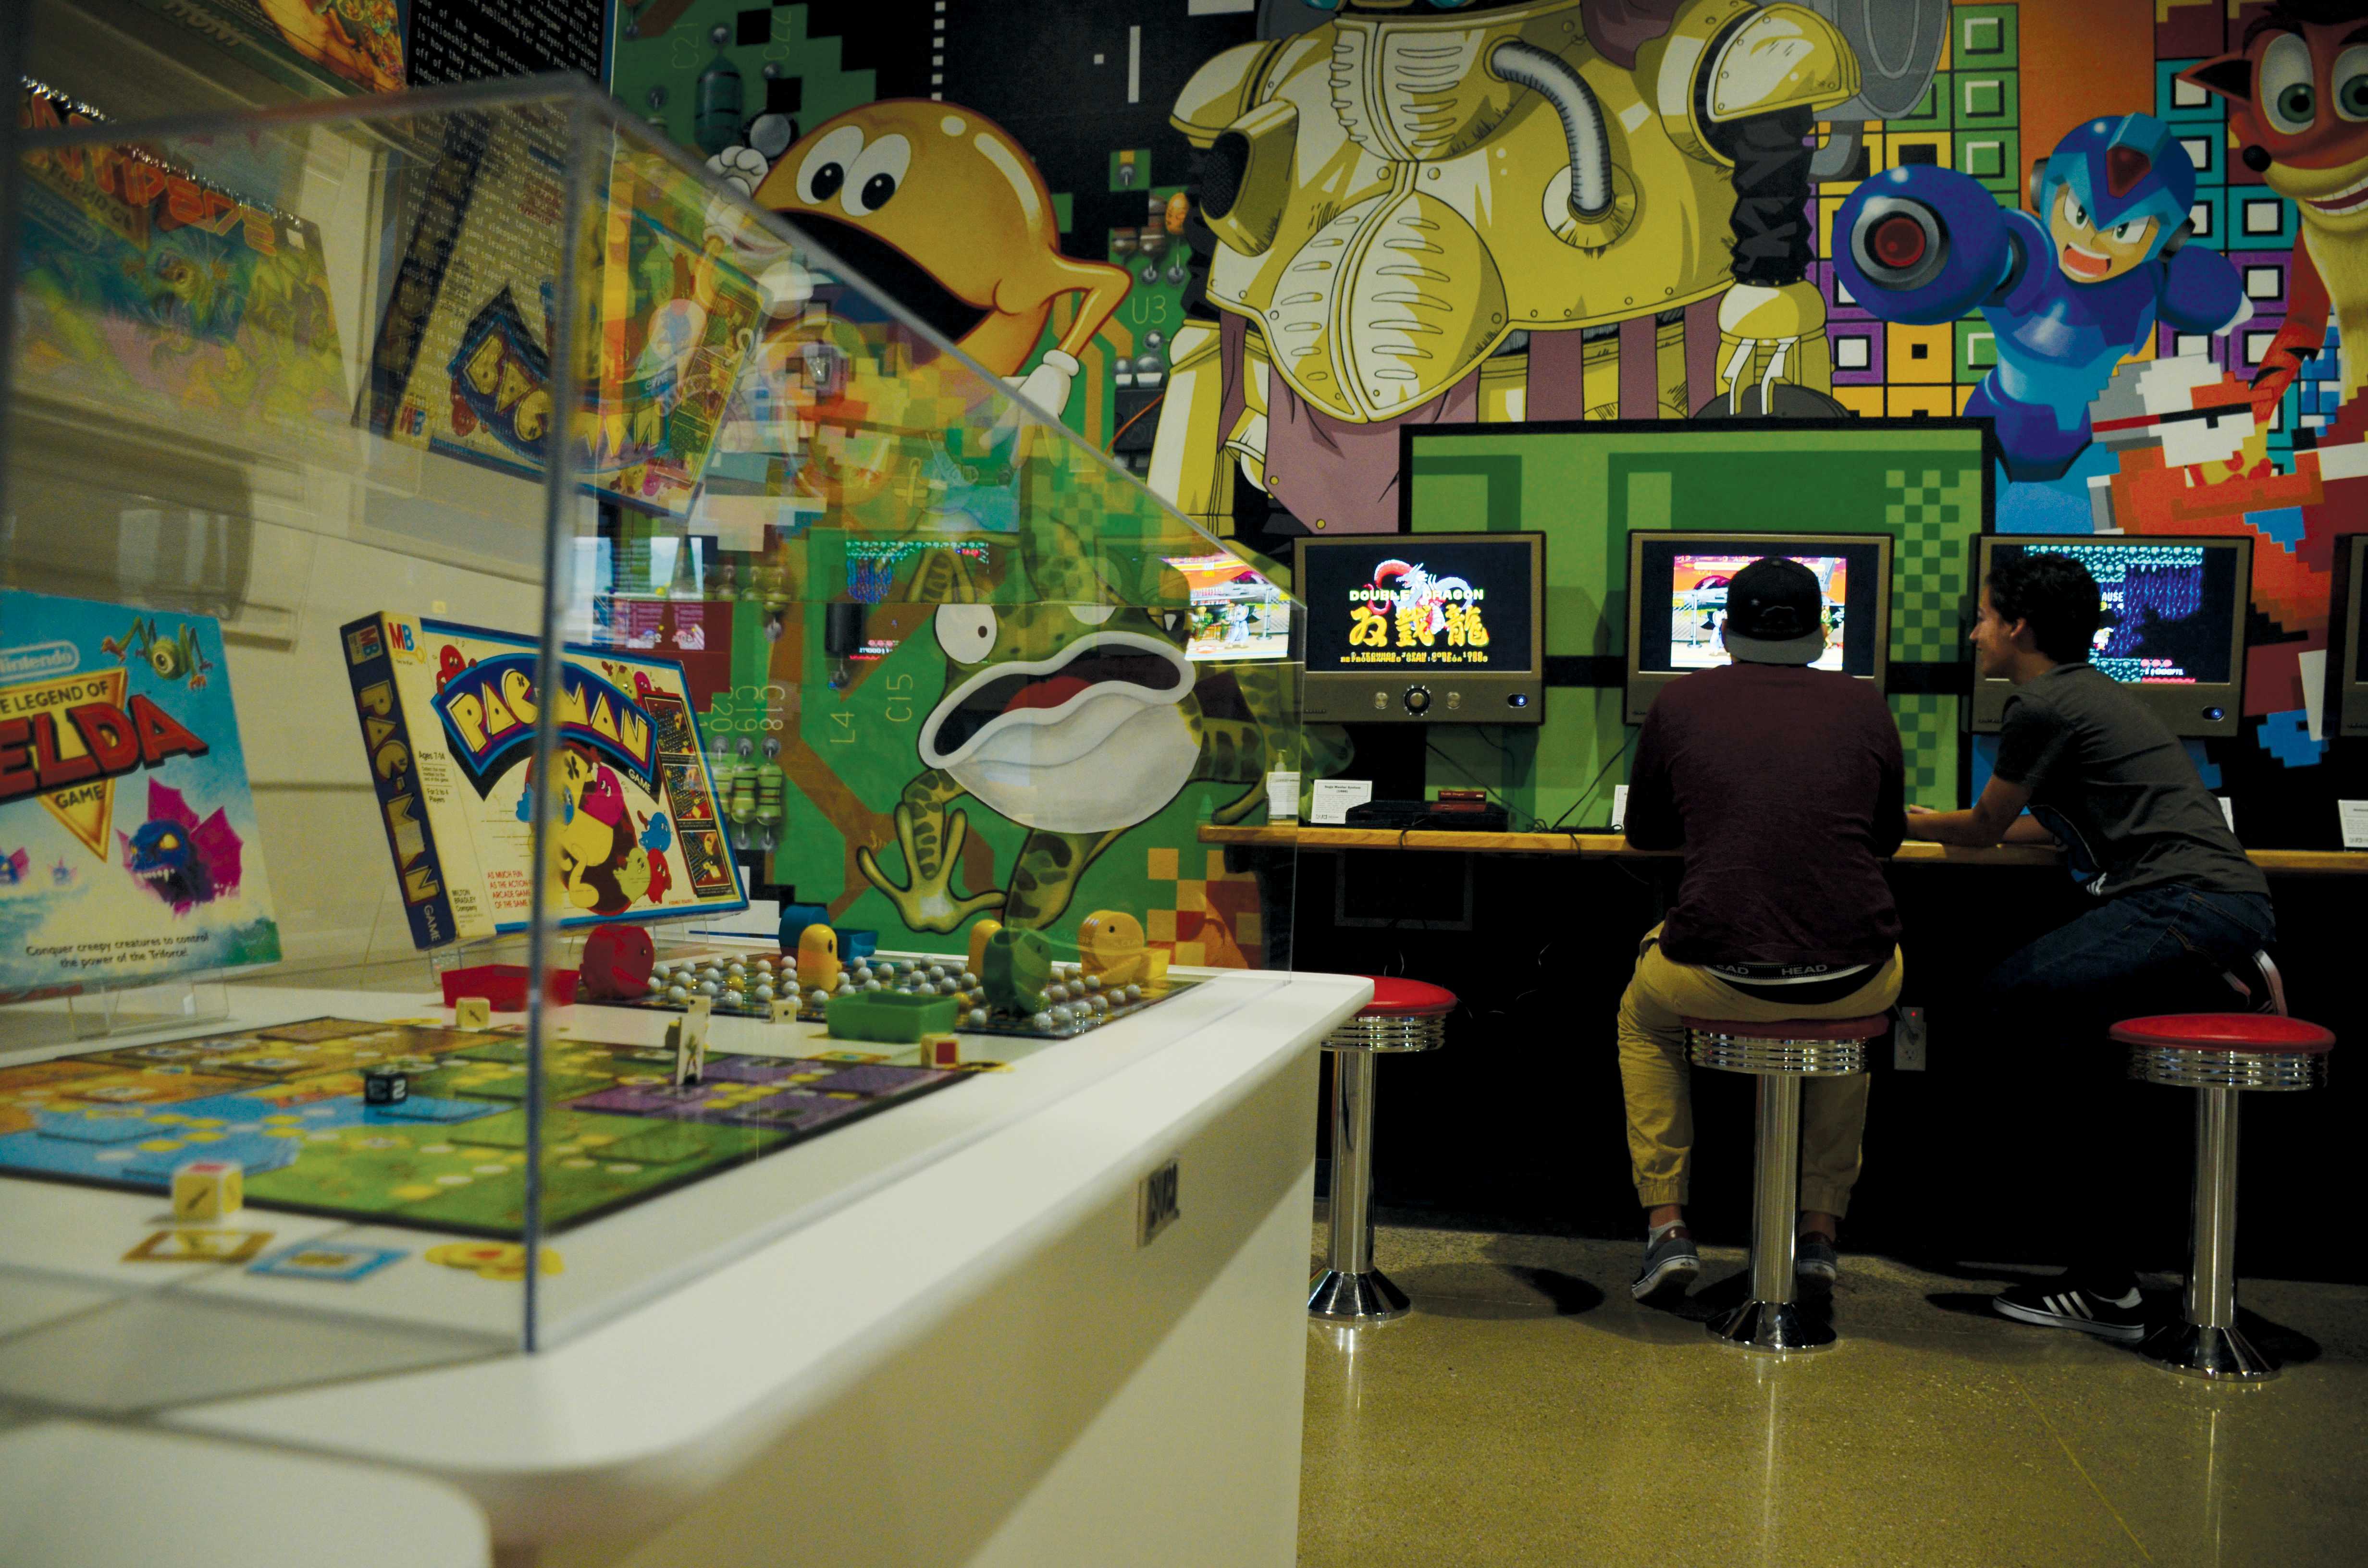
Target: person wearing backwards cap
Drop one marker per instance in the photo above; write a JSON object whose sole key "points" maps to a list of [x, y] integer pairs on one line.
{"points": [[1785, 789]]}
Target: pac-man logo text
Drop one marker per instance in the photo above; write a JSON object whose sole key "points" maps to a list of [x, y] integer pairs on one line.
{"points": [[489, 712]]}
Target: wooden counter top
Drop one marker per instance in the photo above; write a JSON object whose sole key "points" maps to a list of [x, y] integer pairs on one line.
{"points": [[1915, 852]]}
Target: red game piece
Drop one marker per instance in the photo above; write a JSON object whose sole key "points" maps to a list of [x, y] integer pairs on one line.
{"points": [[616, 964]]}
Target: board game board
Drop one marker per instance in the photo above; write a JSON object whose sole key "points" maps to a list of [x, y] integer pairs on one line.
{"points": [[286, 1103], [743, 984]]}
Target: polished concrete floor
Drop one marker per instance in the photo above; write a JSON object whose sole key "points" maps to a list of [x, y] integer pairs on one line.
{"points": [[1528, 1412]]}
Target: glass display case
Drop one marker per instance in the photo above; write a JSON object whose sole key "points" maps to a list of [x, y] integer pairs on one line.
{"points": [[549, 733]]}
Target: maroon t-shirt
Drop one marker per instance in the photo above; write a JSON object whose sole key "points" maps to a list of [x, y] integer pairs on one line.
{"points": [[1784, 785]]}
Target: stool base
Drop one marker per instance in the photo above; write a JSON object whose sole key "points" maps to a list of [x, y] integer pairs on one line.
{"points": [[1356, 1297], [2200, 1350], [1770, 1326]]}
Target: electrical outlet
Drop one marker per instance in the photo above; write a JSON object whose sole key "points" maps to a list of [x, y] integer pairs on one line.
{"points": [[1907, 1040], [1155, 1204]]}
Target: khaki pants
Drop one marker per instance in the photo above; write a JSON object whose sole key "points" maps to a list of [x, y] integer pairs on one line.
{"points": [[1661, 1106]]}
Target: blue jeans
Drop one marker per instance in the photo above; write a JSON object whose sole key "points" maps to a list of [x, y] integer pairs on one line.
{"points": [[2159, 949]]}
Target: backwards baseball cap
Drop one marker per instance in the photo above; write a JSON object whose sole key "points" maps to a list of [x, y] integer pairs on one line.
{"points": [[1775, 613]]}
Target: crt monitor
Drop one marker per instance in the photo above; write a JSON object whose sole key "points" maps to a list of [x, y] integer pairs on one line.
{"points": [[2173, 629], [1442, 627], [2346, 649], [1676, 602]]}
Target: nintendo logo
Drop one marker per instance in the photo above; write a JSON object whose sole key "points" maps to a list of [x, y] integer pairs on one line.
{"points": [[34, 660]]}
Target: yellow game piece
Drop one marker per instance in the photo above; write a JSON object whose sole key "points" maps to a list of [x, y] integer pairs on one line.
{"points": [[978, 938], [208, 1191], [941, 1049], [818, 959], [1111, 945], [1154, 966], [471, 1012]]}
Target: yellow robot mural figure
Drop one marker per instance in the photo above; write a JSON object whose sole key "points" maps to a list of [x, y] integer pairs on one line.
{"points": [[940, 206], [1420, 212]]}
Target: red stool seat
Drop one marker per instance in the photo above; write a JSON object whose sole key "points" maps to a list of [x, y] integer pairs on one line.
{"points": [[1395, 996], [2260, 1032], [1794, 1028]]}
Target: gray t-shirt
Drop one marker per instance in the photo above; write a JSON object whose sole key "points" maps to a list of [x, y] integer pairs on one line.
{"points": [[2110, 781]]}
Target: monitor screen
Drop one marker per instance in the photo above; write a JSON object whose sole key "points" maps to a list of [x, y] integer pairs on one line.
{"points": [[1691, 575], [2347, 639], [2352, 604], [2167, 606], [1235, 613], [1399, 604]]}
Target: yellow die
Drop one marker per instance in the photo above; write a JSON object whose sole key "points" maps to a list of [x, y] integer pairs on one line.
{"points": [[471, 1012], [207, 1189]]}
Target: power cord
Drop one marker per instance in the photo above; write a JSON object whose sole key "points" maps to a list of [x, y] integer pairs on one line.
{"points": [[1591, 783]]}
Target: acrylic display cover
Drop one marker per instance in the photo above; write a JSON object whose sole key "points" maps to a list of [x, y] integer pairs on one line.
{"points": [[463, 361], [447, 718], [128, 843], [149, 292]]}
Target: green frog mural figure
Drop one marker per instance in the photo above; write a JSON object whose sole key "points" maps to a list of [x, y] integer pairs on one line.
{"points": [[1077, 721]]}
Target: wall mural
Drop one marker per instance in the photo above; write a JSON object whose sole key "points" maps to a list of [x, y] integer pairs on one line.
{"points": [[1241, 244]]}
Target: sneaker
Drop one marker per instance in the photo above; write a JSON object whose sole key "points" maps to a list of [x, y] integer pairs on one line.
{"points": [[2107, 1317], [1670, 1258], [1813, 1256]]}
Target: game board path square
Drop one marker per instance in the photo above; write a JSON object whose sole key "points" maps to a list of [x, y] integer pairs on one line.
{"points": [[428, 1108], [798, 1110], [760, 1069], [260, 1152], [664, 1101], [93, 1126], [878, 1078], [314, 1030]]}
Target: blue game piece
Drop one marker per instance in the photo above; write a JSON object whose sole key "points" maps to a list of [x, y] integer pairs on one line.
{"points": [[796, 918], [853, 945]]}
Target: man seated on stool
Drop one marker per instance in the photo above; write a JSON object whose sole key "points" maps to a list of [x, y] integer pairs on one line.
{"points": [[1785, 787], [2177, 899]]}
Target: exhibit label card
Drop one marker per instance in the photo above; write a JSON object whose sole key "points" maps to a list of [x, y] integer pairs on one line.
{"points": [[2353, 817], [129, 850], [1331, 798]]}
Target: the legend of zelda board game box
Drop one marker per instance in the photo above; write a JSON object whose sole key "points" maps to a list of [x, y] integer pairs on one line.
{"points": [[129, 850]]}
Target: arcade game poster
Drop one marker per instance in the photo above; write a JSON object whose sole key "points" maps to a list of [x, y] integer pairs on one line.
{"points": [[129, 849]]}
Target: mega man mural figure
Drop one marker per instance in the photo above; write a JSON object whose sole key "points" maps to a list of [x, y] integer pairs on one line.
{"points": [[2067, 292]]}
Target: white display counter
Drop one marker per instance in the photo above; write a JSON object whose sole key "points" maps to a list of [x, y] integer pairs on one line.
{"points": [[949, 1349]]}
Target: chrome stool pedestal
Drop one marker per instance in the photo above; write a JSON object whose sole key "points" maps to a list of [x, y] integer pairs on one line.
{"points": [[1405, 1016], [1778, 1054], [2219, 1055]]}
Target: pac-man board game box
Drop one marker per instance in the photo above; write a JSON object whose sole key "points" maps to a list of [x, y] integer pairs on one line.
{"points": [[448, 716]]}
